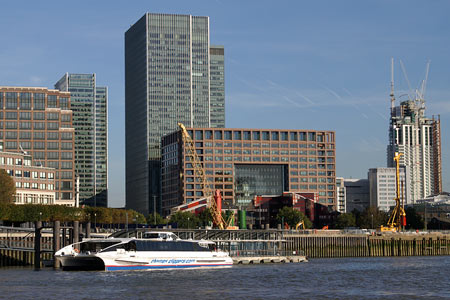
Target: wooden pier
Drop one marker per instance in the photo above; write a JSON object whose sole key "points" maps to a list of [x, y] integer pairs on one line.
{"points": [[245, 260]]}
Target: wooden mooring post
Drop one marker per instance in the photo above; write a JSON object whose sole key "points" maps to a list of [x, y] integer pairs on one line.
{"points": [[37, 245]]}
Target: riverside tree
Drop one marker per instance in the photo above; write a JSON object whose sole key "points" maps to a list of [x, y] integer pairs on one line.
{"points": [[7, 187], [292, 217], [345, 220], [372, 217]]}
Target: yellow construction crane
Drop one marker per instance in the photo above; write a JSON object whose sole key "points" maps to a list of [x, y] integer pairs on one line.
{"points": [[398, 215], [190, 151]]}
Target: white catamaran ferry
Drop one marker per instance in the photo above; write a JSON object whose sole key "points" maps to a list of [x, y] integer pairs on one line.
{"points": [[154, 250]]}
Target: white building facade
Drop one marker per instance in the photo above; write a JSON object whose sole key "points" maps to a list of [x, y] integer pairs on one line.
{"points": [[382, 186], [417, 138]]}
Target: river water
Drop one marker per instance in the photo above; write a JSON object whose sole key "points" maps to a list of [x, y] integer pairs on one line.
{"points": [[342, 278]]}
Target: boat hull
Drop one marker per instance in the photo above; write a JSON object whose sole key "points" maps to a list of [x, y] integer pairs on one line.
{"points": [[76, 263]]}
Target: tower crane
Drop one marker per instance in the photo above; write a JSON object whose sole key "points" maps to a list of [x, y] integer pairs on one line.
{"points": [[398, 215], [216, 208]]}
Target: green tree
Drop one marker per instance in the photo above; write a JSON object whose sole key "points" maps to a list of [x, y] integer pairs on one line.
{"points": [[413, 219], [292, 217], [372, 217], [7, 187], [155, 219], [206, 217], [185, 220], [345, 220]]}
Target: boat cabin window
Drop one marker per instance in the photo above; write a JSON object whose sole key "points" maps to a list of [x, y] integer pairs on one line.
{"points": [[142, 245], [93, 246], [130, 246], [160, 235], [150, 235]]}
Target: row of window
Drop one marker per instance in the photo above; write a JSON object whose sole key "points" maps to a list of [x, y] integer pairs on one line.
{"points": [[35, 185], [30, 125], [199, 145], [320, 137], [15, 161], [39, 145], [14, 100], [30, 174], [25, 115], [37, 135]]}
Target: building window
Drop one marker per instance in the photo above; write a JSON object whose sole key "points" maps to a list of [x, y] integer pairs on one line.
{"points": [[51, 101], [11, 100], [247, 136], [64, 103], [293, 136], [256, 135], [275, 136], [218, 134]]}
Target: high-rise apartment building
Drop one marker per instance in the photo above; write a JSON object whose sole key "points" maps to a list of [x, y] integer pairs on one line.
{"points": [[171, 75], [38, 121], [245, 163], [89, 104], [418, 139]]}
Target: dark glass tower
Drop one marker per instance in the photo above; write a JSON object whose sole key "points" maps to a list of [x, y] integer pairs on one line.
{"points": [[167, 80], [89, 106]]}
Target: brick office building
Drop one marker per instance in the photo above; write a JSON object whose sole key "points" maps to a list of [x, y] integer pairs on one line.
{"points": [[243, 163], [39, 121]]}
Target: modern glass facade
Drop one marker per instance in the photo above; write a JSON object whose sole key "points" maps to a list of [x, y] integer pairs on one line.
{"points": [[38, 121], [89, 105], [242, 163], [167, 80], [217, 67], [252, 180]]}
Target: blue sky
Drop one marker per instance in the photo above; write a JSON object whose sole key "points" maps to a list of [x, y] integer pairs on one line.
{"points": [[289, 64]]}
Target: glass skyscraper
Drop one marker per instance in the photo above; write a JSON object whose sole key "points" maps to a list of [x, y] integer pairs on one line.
{"points": [[89, 106], [171, 75]]}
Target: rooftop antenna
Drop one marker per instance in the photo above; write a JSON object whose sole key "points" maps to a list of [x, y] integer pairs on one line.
{"points": [[392, 86], [407, 80]]}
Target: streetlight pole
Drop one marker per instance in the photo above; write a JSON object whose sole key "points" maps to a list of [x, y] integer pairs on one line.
{"points": [[95, 222], [154, 209], [136, 222], [372, 221]]}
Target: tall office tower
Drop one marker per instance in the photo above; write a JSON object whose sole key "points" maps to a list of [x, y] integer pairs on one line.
{"points": [[168, 79], [89, 104], [217, 83], [38, 122]]}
